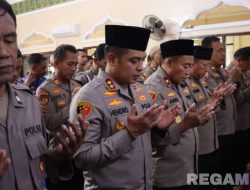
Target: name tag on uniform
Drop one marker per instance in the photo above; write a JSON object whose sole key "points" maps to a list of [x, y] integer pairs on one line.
{"points": [[118, 111]]}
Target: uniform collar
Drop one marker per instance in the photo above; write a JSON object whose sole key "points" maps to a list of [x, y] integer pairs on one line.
{"points": [[111, 84]]}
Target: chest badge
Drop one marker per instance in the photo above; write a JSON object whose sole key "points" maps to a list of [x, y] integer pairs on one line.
{"points": [[115, 103], [120, 125]]}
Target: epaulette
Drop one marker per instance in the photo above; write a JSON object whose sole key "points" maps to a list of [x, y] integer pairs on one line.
{"points": [[21, 87]]}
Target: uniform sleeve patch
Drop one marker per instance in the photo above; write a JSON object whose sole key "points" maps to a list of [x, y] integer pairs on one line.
{"points": [[84, 108], [44, 98]]}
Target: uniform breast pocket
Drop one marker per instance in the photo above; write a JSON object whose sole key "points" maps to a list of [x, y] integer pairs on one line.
{"points": [[36, 147]]}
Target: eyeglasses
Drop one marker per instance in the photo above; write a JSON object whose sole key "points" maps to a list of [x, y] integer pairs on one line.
{"points": [[2, 12]]}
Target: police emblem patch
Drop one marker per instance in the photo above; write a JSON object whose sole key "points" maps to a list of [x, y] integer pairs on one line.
{"points": [[84, 108], [44, 98]]}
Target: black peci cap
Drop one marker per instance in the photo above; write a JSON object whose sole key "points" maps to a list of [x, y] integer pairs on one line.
{"points": [[177, 48], [202, 52], [128, 37]]}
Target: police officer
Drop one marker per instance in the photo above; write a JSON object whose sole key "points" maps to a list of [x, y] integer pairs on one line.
{"points": [[55, 96], [241, 65], [22, 142], [56, 93], [37, 69], [208, 137], [116, 153], [226, 115], [175, 161], [99, 63]]}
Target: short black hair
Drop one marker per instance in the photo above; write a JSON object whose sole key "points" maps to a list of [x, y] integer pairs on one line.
{"points": [[242, 53], [5, 7], [35, 59], [60, 52], [207, 41]]}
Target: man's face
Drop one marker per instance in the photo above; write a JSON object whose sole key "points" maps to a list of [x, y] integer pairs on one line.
{"points": [[180, 68], [40, 69], [200, 67], [218, 56], [8, 48], [82, 60], [126, 69], [243, 64], [67, 67]]}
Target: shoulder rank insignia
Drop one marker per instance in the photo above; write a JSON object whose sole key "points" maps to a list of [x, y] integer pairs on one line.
{"points": [[193, 85], [109, 93], [167, 81], [110, 84], [44, 98], [153, 95], [186, 91], [142, 97], [84, 108], [115, 103], [120, 125], [56, 82], [171, 94]]}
